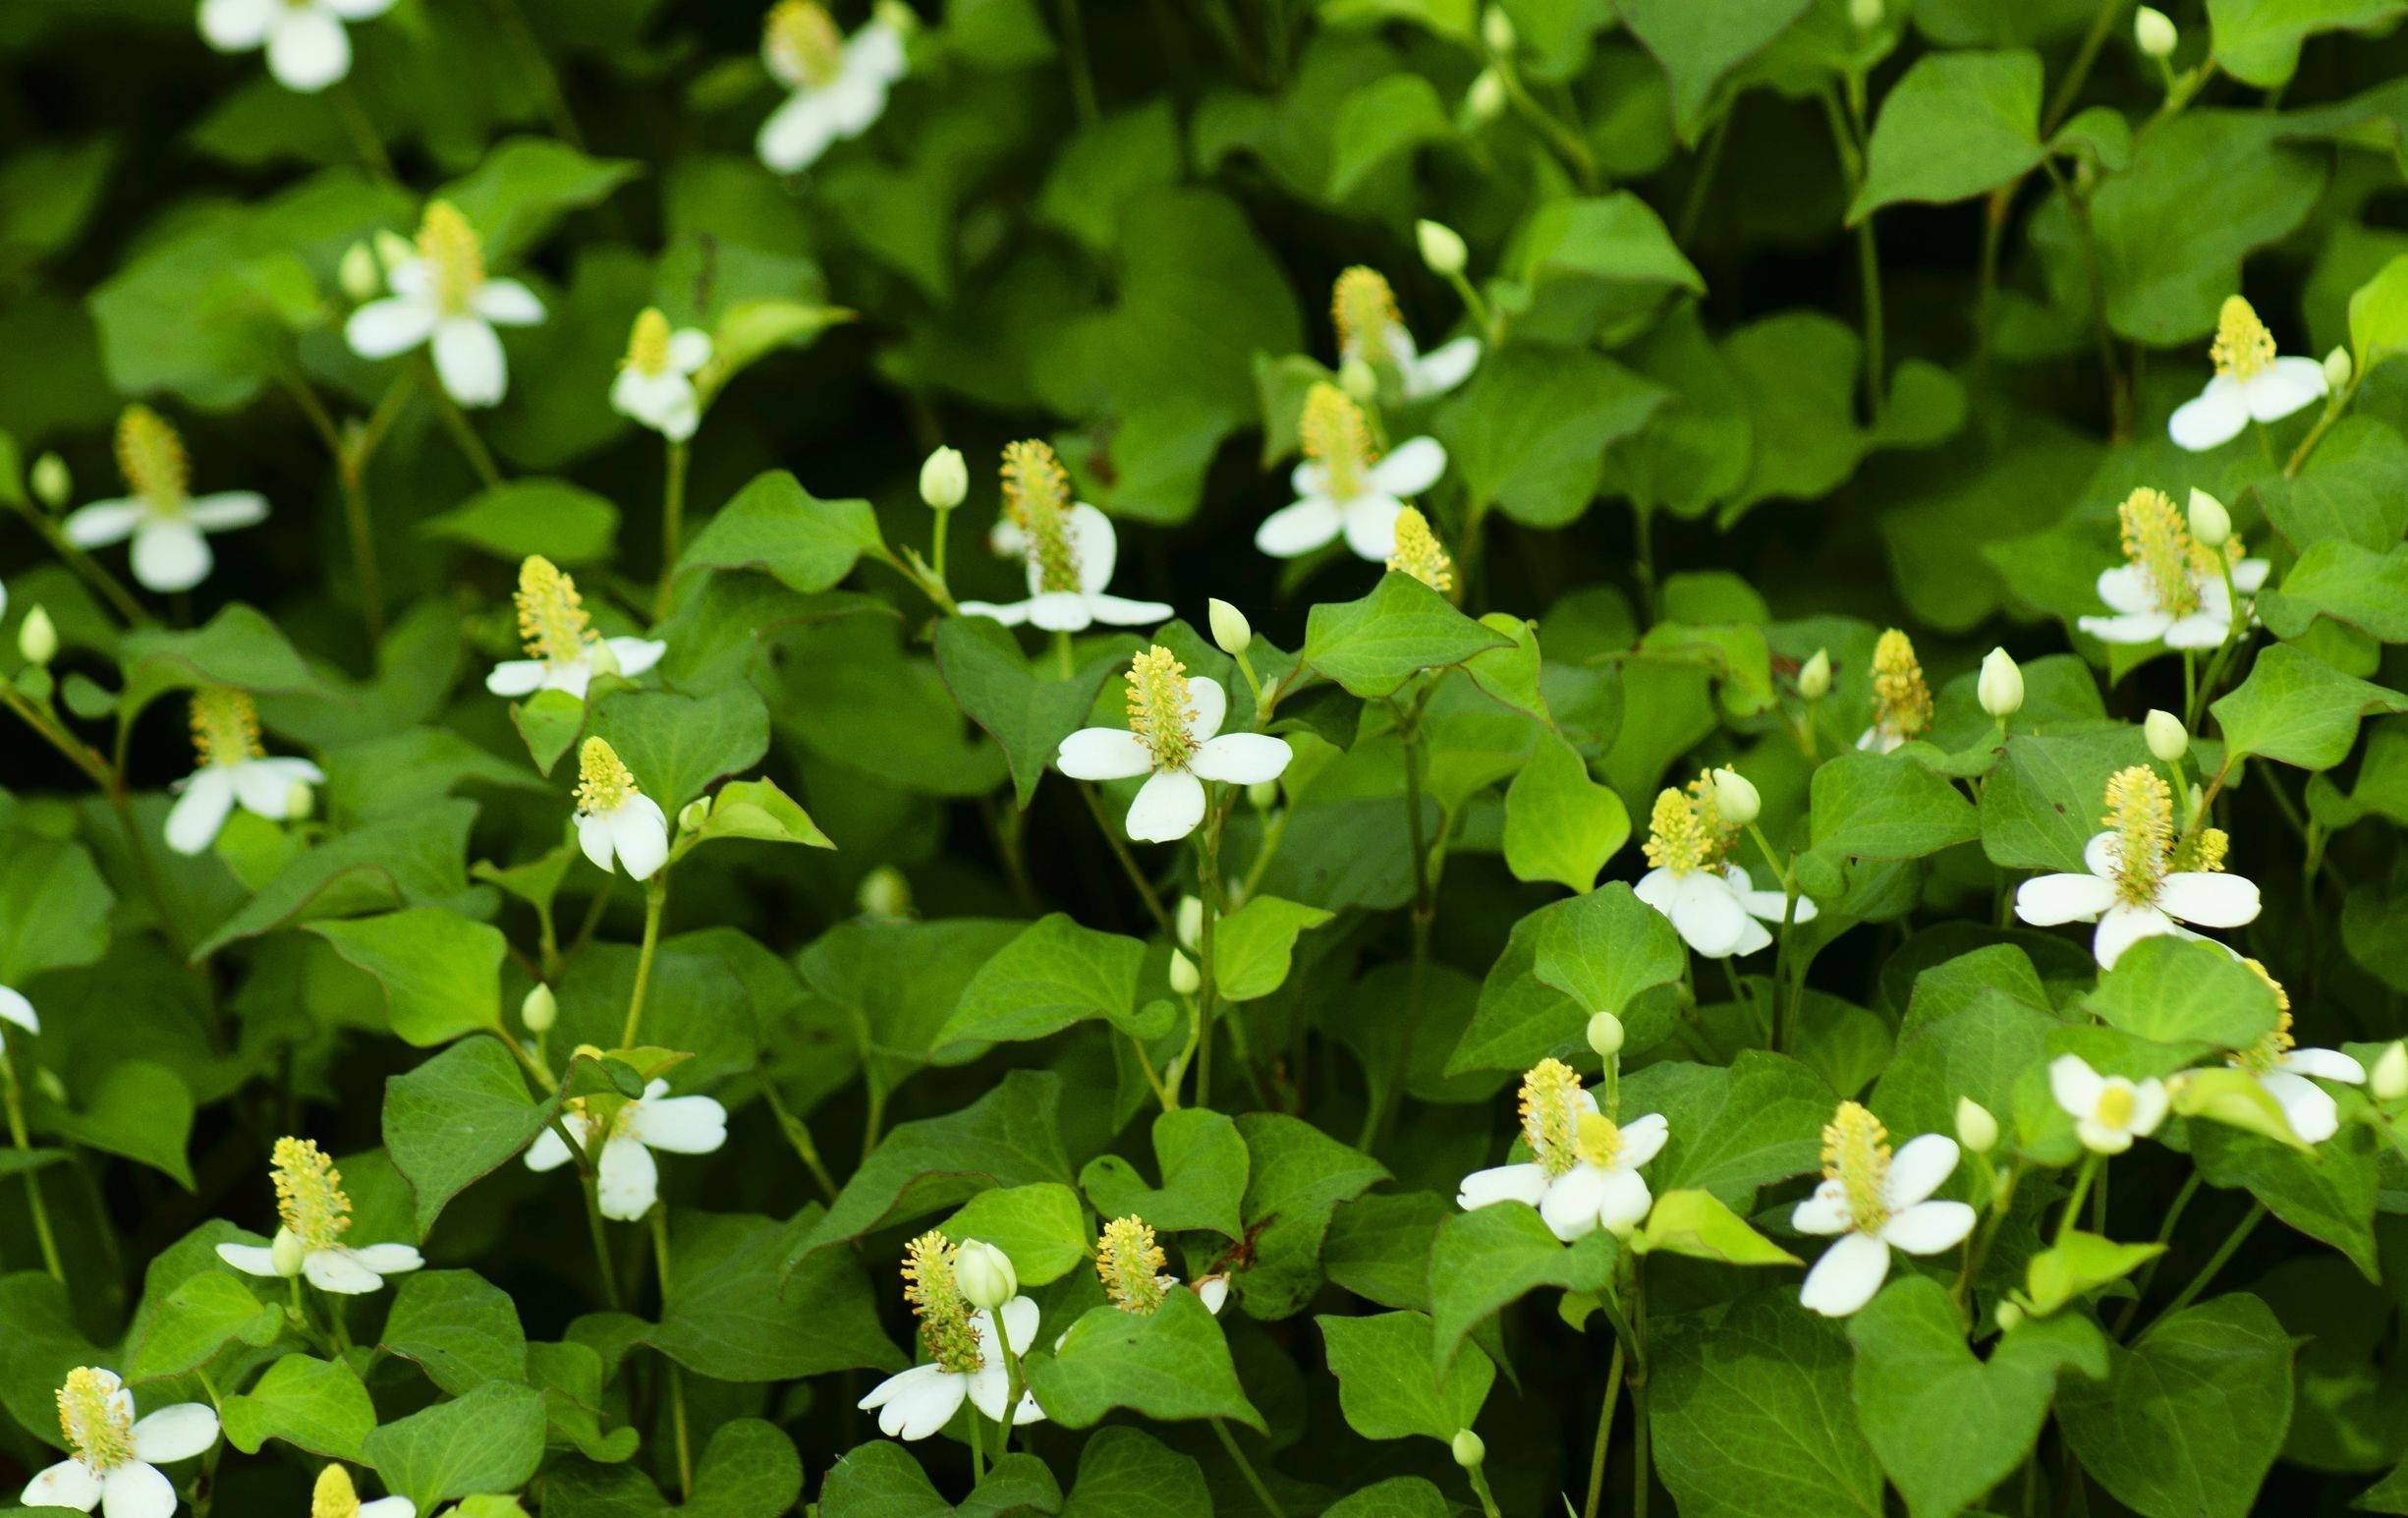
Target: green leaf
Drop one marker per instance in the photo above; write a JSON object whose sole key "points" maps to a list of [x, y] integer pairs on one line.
{"points": [[1880, 805], [1752, 1412], [1606, 949], [2329, 1193], [1374, 645], [1488, 1257], [460, 1329], [238, 647], [775, 525], [565, 523], [440, 972], [2346, 492], [1390, 116], [1388, 1385], [2298, 709], [526, 184], [742, 1307], [458, 1117], [488, 1440], [54, 908], [880, 1480], [1055, 973], [550, 722], [679, 746], [1027, 705], [2231, 1095], [2175, 992], [1696, 1223], [1296, 1176], [1253, 945], [1124, 1470], [2040, 806], [750, 1469], [2076, 1266], [1698, 44], [2257, 41], [1171, 1365], [196, 1322], [316, 1405], [1043, 1227], [1008, 1137], [1734, 1128], [1399, 1497], [2378, 318], [2337, 579], [1560, 826], [139, 1109], [1955, 125], [410, 859], [760, 810], [1204, 1165], [1528, 434]]}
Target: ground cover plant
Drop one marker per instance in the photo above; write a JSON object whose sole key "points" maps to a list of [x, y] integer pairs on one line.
{"points": [[1379, 757]]}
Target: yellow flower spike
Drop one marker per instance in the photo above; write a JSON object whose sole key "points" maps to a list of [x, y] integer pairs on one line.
{"points": [[801, 44], [2158, 545], [2243, 346], [648, 342], [1363, 307], [150, 454], [1686, 831], [2202, 852], [1550, 1115], [1036, 500], [936, 1300], [2267, 1054], [96, 1424], [225, 725], [1419, 554], [309, 1197], [1902, 702], [1130, 1261], [1159, 709], [1856, 1154], [334, 1496], [2141, 815], [1334, 434], [552, 620], [455, 256], [604, 782]]}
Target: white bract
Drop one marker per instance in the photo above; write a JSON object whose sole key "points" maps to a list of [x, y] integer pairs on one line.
{"points": [[615, 820], [14, 1008], [2251, 383], [2283, 1068], [655, 384], [232, 767], [837, 85], [1174, 736], [1370, 329], [2138, 880], [162, 516], [628, 1178], [1583, 1173], [2109, 1112], [1712, 902], [313, 1215], [444, 296], [113, 1457], [2170, 589], [1068, 548], [563, 651], [966, 1355], [307, 46], [1344, 486], [1875, 1202]]}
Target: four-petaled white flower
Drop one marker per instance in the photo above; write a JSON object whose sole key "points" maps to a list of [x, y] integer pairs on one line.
{"points": [[445, 296], [162, 516], [2109, 1112], [336, 1498], [233, 769], [15, 1008], [2170, 590], [2251, 383], [563, 651], [1344, 486], [1363, 307], [1901, 700], [655, 384], [1583, 1173], [2283, 1068], [837, 85], [966, 1356], [307, 48], [614, 819], [628, 1178], [1875, 1202], [115, 1458], [2138, 881], [1712, 902], [1069, 547], [1174, 723], [313, 1215]]}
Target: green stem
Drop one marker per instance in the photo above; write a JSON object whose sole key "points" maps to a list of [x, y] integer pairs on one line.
{"points": [[1480, 1489], [18, 1136], [539, 71], [2216, 1263], [2333, 409], [677, 1381], [799, 1134], [672, 524], [1642, 1471], [2103, 22], [1263, 1494], [586, 1176], [2091, 1162], [1693, 204], [1208, 883], [655, 896], [1128, 862], [1566, 143], [463, 434], [2149, 1273], [1074, 53], [83, 564], [1604, 1433]]}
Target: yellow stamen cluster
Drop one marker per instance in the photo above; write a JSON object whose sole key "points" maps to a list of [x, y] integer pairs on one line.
{"points": [[604, 782], [648, 342], [335, 1495], [1129, 1262], [1856, 1153], [225, 725], [1597, 1140], [1159, 709], [1550, 1115], [2243, 347], [552, 620], [2158, 544], [1419, 553], [2141, 815], [2203, 850], [150, 455], [1036, 500], [1363, 308], [1334, 434], [1901, 700], [945, 1328], [801, 45], [2267, 1054], [98, 1425], [309, 1196], [455, 256], [1686, 831], [2114, 1107]]}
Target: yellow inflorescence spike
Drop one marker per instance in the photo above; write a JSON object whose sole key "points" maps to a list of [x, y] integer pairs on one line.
{"points": [[1419, 554], [1902, 702], [225, 725], [552, 620], [2158, 545], [802, 45], [310, 1197], [604, 783], [151, 457], [335, 1496], [1363, 307], [1130, 1261], [1686, 831], [1550, 1115], [2243, 347], [2267, 1054], [1856, 1153], [1334, 434], [96, 1422], [455, 256], [945, 1328], [2141, 815], [1160, 709], [648, 342], [1036, 500]]}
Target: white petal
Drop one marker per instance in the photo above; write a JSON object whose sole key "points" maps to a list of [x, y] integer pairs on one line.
{"points": [[2324, 1065], [1752, 937], [875, 51], [629, 1182], [1167, 808], [2045, 901], [469, 359], [794, 136], [14, 1008], [1012, 615], [1214, 1290], [2212, 421], [1020, 1319], [1572, 1202], [516, 677], [227, 510], [641, 835], [2099, 1139], [682, 1125], [2199, 630], [1524, 1182], [389, 1508], [853, 101], [388, 1259], [2135, 628], [193, 822], [2149, 1104], [1411, 468], [1847, 1276], [382, 328], [65, 1484], [103, 522], [1103, 753], [1928, 1227], [1294, 530], [1119, 611], [170, 554], [1370, 526], [234, 27], [918, 1402], [2076, 1086], [2101, 855], [2283, 387], [249, 1259], [1096, 546], [688, 348], [265, 789], [357, 10], [2309, 1108], [549, 1151], [1625, 1203], [2249, 575], [334, 1270], [414, 279], [1242, 759], [593, 836], [1656, 889], [509, 304], [1708, 916], [1207, 707], [1918, 1166], [2212, 899], [176, 1433], [990, 1384], [1642, 1139], [1060, 611], [2125, 588], [307, 49], [1823, 1212], [1442, 368], [136, 1489]]}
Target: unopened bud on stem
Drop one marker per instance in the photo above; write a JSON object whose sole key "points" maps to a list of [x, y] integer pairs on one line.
{"points": [[2001, 687], [944, 479], [1441, 248], [1230, 630], [2168, 739]]}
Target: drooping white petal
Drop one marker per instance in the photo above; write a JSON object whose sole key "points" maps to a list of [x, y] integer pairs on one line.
{"points": [[64, 1485], [249, 1259], [1918, 1166], [1095, 544], [916, 1402], [307, 49], [549, 1151], [1060, 611], [1642, 1139], [1242, 759], [2249, 575], [236, 27], [2209, 898], [1294, 530], [2126, 590], [2045, 901], [1120, 611], [2076, 1086], [388, 1259], [1825, 1211], [1928, 1227], [1370, 526], [689, 350], [1103, 753], [1656, 889], [136, 1489], [14, 1008], [509, 304], [794, 138], [593, 836], [853, 101], [1167, 808], [1214, 1290], [176, 1433], [382, 328], [1847, 1276], [2137, 627], [681, 1125], [877, 53], [1010, 614], [2199, 630], [2215, 418], [193, 822], [2282, 387], [335, 1271], [641, 835], [2099, 1139], [1207, 707], [2150, 1101], [264, 786], [1625, 1202], [1524, 1182], [1707, 915], [469, 359], [990, 1384], [2324, 1065], [2121, 926], [225, 510], [1020, 1320], [1572, 1201], [516, 677], [103, 522], [170, 554], [389, 1508], [628, 1181], [1414, 465], [636, 655], [2309, 1108], [1441, 368]]}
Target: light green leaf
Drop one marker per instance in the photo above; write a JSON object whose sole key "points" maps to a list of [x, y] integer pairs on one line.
{"points": [[1024, 704], [1253, 945], [775, 525], [1528, 433], [2257, 41], [1203, 1165], [2175, 992], [1374, 645], [526, 184], [1697, 1223], [2076, 1264], [458, 1117], [760, 810], [1055, 973], [440, 972], [2298, 709], [316, 1405], [462, 1331], [1955, 126], [1170, 1364], [1561, 824], [488, 1440], [565, 523], [679, 746], [1388, 1385], [2378, 315], [1043, 1227], [1485, 1257], [1753, 1416]]}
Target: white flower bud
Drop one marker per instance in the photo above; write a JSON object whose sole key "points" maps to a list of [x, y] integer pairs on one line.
{"points": [[2210, 523], [885, 894], [1230, 628], [944, 479], [52, 484], [896, 17], [984, 1274], [1359, 380], [2010, 1316], [2337, 369], [2153, 32], [1470, 1448], [539, 1010], [285, 1252], [394, 251], [1815, 676], [1184, 977], [602, 659], [1262, 795], [1976, 1129], [1484, 101], [2168, 739], [1864, 15], [1497, 29], [357, 273], [37, 637], [1441, 248], [2389, 1080], [692, 816], [2001, 687], [1188, 919], [1736, 797], [299, 802], [1605, 1035]]}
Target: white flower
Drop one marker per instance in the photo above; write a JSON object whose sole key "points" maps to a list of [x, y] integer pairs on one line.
{"points": [[336, 1498], [1370, 330], [2131, 886], [838, 85], [2283, 1068], [614, 819], [162, 517], [1343, 486], [628, 1178], [2170, 589], [14, 1008], [966, 1355], [1583, 1173], [1069, 547], [1129, 1260], [2250, 384], [563, 651], [314, 1214], [113, 1457], [1875, 1202], [655, 384], [307, 46], [1172, 726], [233, 769], [2108, 1111], [1901, 700], [443, 295], [1711, 901]]}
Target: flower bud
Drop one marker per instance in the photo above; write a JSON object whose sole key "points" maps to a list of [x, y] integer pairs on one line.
{"points": [[602, 659], [539, 1010], [984, 1274], [1605, 1035], [2010, 1316], [1497, 29], [1815, 676], [2389, 1080], [2153, 32], [2001, 687], [48, 1082], [2337, 369], [1262, 795], [285, 1252], [357, 273], [1864, 15], [896, 17], [1230, 628], [1484, 101], [944, 479], [1359, 382], [394, 251], [2210, 523], [299, 802], [37, 638], [884, 894], [52, 484], [1976, 1129], [1184, 977], [1441, 248], [2168, 739], [1188, 919], [1736, 797], [1470, 1448]]}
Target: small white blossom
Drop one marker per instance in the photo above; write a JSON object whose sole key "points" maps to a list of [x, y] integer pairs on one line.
{"points": [[1583, 1173], [2170, 590], [1068, 547], [615, 820], [1875, 1202], [2251, 383], [966, 1356], [837, 87], [443, 296], [15, 1008], [162, 517], [2277, 1064], [2129, 884], [1344, 487], [307, 48], [115, 1457], [1712, 902], [564, 654], [2109, 1112], [655, 384], [1173, 735], [232, 767], [628, 1181], [314, 1214]]}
